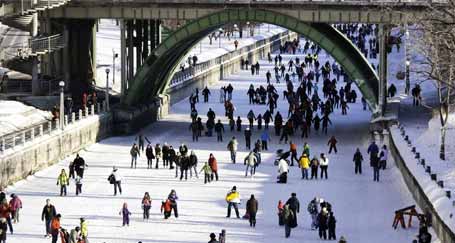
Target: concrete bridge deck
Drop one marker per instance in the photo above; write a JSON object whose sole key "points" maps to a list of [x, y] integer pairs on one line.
{"points": [[339, 11]]}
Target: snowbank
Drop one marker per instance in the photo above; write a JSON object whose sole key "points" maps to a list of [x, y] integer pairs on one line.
{"points": [[15, 116]]}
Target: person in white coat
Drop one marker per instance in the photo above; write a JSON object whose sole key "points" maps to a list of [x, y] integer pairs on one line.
{"points": [[283, 169], [115, 178], [250, 162], [383, 155], [324, 165]]}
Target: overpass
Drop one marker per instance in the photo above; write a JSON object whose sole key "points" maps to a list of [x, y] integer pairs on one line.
{"points": [[148, 63]]}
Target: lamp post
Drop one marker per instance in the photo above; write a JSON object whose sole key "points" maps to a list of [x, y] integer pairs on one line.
{"points": [[248, 28], [219, 37], [61, 84], [408, 81], [107, 89], [114, 56]]}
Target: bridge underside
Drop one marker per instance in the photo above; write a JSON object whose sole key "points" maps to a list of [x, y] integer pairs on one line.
{"points": [[154, 76]]}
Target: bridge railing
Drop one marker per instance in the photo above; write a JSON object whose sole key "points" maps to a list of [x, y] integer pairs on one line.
{"points": [[47, 44], [193, 71], [16, 139], [24, 7]]}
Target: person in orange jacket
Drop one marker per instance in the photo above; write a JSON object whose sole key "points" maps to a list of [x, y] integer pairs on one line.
{"points": [[55, 227], [293, 150]]}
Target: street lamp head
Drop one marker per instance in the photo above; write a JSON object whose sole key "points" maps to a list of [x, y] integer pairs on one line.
{"points": [[61, 84], [220, 29], [107, 70], [408, 63], [235, 25], [247, 23]]}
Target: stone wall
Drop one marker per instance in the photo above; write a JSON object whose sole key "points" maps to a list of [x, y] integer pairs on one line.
{"points": [[443, 232], [48, 149], [229, 64]]}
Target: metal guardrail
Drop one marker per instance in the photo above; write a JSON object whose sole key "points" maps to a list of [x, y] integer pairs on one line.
{"points": [[43, 45], [193, 71], [24, 7], [21, 138]]}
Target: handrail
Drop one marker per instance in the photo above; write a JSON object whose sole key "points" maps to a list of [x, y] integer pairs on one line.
{"points": [[32, 6], [21, 138], [193, 71], [46, 44]]}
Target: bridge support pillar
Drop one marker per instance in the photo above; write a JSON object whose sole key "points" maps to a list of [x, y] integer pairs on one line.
{"points": [[80, 59], [123, 55], [382, 38], [130, 51]]}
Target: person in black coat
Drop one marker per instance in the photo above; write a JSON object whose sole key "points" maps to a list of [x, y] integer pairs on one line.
{"points": [[79, 165], [219, 129], [150, 156], [322, 220], [294, 205], [248, 138], [331, 224], [358, 158], [184, 166], [47, 215]]}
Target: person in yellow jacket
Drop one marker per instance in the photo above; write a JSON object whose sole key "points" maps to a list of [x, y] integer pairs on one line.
{"points": [[233, 199], [304, 164], [84, 230], [63, 181]]}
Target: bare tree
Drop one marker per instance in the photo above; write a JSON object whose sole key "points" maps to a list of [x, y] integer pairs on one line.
{"points": [[434, 42]]}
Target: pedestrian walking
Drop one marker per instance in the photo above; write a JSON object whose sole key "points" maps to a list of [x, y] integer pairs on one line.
{"points": [[219, 129], [5, 212], [332, 144], [116, 180], [358, 158], [283, 170], [313, 210], [383, 157], [84, 229], [213, 167], [63, 181], [158, 154], [79, 165], [166, 208], [207, 171], [150, 156], [233, 200], [125, 213], [232, 147], [304, 164], [294, 205], [252, 209], [248, 138], [47, 214], [314, 164], [289, 220], [193, 164], [322, 221], [55, 227], [78, 182], [265, 138], [250, 161], [331, 226], [135, 152], [15, 205], [172, 197], [146, 205], [324, 164]]}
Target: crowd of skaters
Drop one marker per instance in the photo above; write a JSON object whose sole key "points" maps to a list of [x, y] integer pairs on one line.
{"points": [[304, 105]]}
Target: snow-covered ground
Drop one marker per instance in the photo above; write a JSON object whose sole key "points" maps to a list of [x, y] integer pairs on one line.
{"points": [[16, 116], [108, 39], [423, 127], [364, 209]]}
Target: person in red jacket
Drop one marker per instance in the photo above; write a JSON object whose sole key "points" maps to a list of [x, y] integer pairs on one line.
{"points": [[214, 166], [293, 150], [5, 212], [166, 207], [15, 204]]}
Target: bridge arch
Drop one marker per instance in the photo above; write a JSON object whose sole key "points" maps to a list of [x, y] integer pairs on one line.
{"points": [[155, 74]]}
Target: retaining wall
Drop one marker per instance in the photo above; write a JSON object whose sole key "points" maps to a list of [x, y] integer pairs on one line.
{"points": [[51, 148], [443, 232], [229, 64]]}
